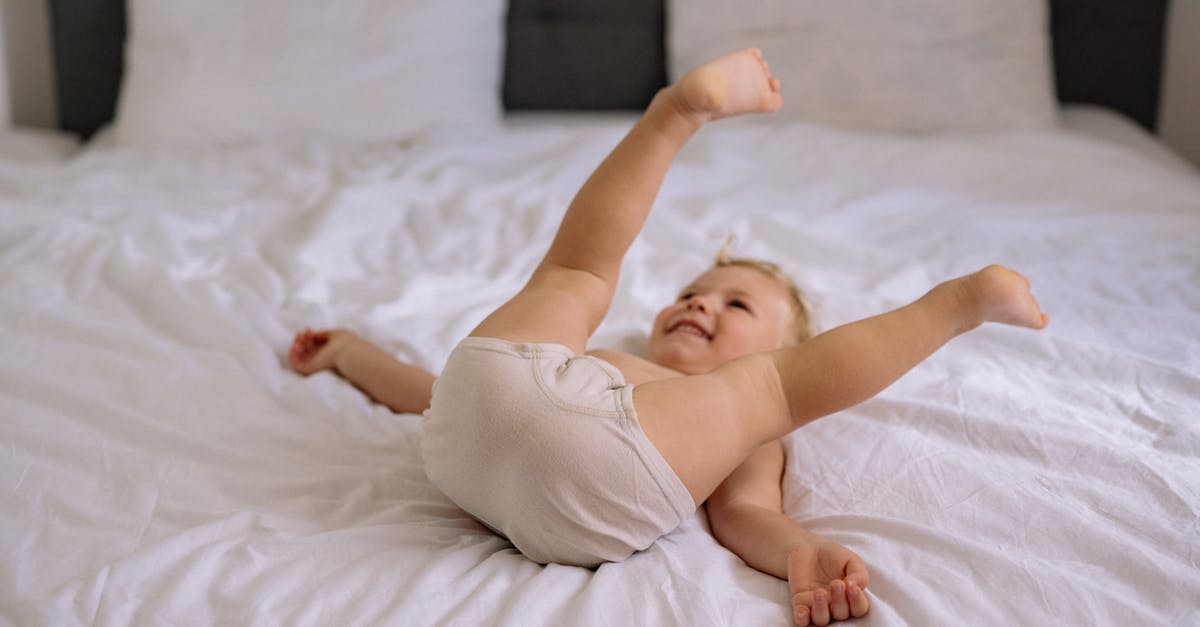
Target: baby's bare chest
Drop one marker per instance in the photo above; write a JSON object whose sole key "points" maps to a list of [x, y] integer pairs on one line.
{"points": [[635, 369]]}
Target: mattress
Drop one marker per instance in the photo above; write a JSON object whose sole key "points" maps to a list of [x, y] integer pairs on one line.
{"points": [[162, 465]]}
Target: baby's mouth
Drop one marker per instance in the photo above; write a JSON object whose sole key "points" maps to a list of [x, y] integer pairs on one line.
{"points": [[689, 327]]}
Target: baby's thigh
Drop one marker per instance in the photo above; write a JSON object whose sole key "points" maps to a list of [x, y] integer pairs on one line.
{"points": [[706, 425], [538, 316], [559, 305]]}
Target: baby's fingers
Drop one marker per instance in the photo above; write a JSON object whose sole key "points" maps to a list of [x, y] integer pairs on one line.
{"points": [[811, 607], [857, 599], [802, 603], [820, 607], [297, 349], [800, 614], [839, 608], [845, 599]]}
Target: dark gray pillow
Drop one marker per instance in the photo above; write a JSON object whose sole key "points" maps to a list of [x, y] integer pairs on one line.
{"points": [[89, 54], [606, 54], [1110, 53]]}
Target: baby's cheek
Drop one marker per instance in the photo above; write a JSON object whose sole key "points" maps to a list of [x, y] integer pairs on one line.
{"points": [[756, 341], [733, 346]]}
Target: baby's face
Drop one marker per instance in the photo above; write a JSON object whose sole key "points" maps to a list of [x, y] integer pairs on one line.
{"points": [[725, 313]]}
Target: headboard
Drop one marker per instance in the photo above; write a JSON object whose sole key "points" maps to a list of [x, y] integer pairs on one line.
{"points": [[611, 54]]}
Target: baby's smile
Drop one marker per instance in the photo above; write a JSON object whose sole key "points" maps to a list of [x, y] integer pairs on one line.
{"points": [[689, 327]]}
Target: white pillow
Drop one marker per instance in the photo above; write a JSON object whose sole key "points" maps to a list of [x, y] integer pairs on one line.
{"points": [[220, 71], [893, 65]]}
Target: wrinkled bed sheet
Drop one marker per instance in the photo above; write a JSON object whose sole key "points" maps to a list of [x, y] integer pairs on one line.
{"points": [[161, 464]]}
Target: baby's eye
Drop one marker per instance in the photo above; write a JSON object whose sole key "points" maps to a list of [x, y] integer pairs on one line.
{"points": [[686, 295], [740, 304]]}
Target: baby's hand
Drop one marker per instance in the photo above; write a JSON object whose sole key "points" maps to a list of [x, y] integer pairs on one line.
{"points": [[314, 351], [827, 582]]}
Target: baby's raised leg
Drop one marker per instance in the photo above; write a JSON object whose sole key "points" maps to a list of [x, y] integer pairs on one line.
{"points": [[570, 291], [854, 362], [706, 425]]}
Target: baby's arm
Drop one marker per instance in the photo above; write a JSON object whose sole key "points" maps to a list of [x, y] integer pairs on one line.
{"points": [[826, 579], [402, 387]]}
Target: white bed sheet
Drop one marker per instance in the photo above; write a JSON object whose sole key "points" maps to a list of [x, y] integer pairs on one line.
{"points": [[161, 465]]}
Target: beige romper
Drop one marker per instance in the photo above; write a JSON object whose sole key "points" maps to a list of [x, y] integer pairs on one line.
{"points": [[544, 447]]}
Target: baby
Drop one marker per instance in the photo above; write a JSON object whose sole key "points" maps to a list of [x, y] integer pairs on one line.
{"points": [[586, 457]]}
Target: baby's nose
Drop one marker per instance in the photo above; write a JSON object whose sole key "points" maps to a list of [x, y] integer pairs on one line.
{"points": [[697, 304]]}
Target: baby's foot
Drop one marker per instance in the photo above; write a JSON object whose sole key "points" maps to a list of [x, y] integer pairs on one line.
{"points": [[1004, 296], [736, 83], [827, 582], [314, 351]]}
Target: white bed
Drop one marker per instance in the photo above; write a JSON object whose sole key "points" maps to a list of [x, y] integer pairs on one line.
{"points": [[162, 465]]}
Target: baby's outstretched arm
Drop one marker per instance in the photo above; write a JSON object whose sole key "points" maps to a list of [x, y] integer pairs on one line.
{"points": [[826, 580], [404, 388], [570, 291]]}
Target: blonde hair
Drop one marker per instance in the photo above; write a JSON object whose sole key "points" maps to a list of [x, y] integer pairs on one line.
{"points": [[802, 327]]}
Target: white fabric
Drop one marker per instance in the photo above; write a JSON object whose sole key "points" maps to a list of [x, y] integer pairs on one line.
{"points": [[918, 65], [263, 70], [1110, 126], [162, 465]]}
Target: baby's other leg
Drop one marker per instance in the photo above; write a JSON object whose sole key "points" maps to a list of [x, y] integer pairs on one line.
{"points": [[570, 291], [706, 425]]}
